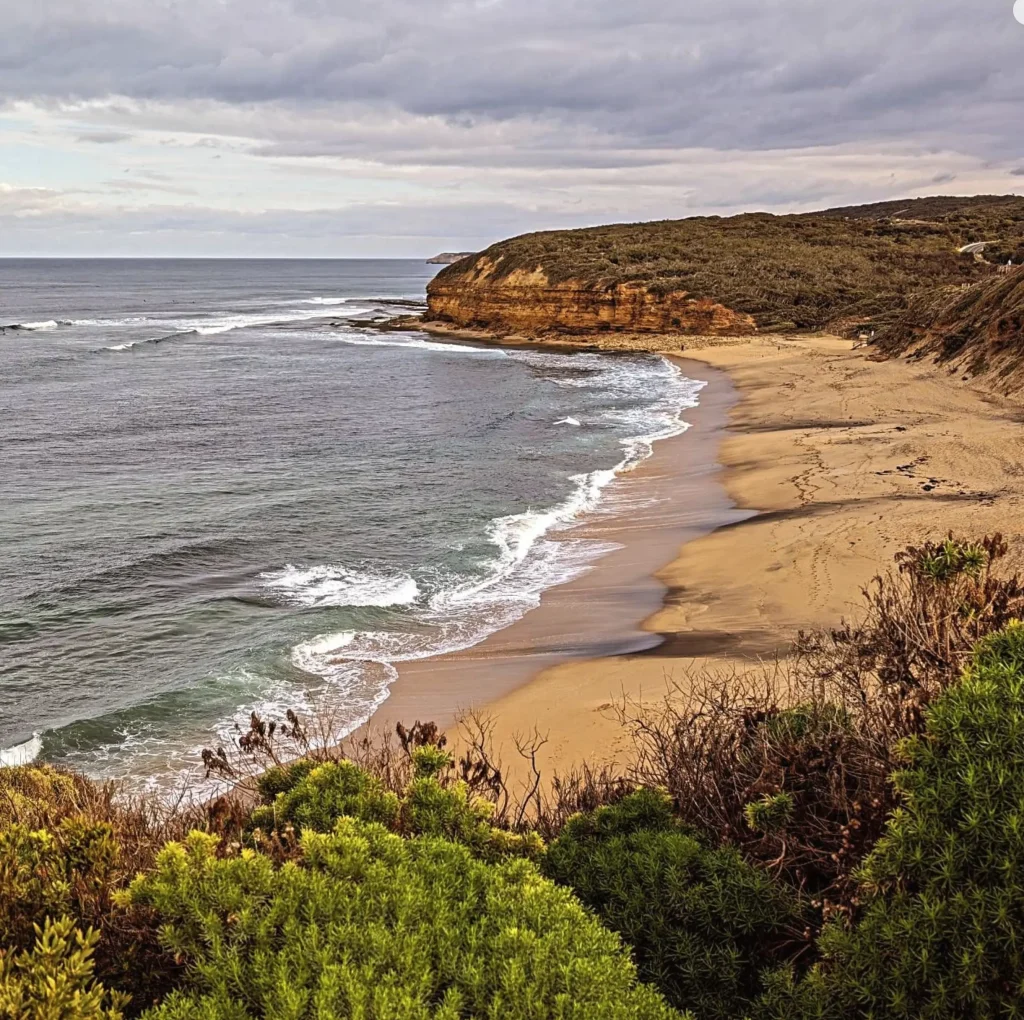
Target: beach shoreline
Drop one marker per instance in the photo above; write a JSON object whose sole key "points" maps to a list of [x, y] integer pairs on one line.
{"points": [[834, 459], [670, 498]]}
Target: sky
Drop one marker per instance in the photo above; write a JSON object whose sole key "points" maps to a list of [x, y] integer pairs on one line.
{"points": [[399, 128]]}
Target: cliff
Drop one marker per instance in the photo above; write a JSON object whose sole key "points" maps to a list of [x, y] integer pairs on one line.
{"points": [[530, 302], [832, 269]]}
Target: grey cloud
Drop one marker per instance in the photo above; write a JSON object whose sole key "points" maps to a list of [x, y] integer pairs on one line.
{"points": [[104, 137], [732, 74]]}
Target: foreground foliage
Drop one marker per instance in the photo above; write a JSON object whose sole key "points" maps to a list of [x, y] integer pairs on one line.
{"points": [[941, 934], [369, 925], [702, 922], [311, 796], [54, 979], [844, 840]]}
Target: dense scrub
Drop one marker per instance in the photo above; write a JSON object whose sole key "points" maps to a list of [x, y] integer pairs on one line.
{"points": [[367, 924], [842, 840], [795, 769], [977, 330], [702, 922], [940, 933], [314, 796], [54, 979], [802, 271]]}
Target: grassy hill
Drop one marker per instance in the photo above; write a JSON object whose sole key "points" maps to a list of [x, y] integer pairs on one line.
{"points": [[832, 269]]}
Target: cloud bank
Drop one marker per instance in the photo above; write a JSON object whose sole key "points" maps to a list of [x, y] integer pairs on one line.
{"points": [[330, 127]]}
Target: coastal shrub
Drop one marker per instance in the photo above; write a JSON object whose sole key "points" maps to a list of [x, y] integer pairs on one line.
{"points": [[367, 924], [68, 847], [72, 869], [36, 795], [920, 627], [54, 979], [792, 765], [701, 921], [799, 790], [941, 931], [312, 796], [431, 805]]}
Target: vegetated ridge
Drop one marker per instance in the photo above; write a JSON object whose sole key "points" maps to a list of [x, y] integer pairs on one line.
{"points": [[978, 330], [839, 269]]}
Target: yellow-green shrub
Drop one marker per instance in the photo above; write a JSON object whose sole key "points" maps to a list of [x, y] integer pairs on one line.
{"points": [[371, 925], [54, 979], [39, 795], [69, 870], [313, 797]]}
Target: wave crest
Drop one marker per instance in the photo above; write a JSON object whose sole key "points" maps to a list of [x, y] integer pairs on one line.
{"points": [[337, 585]]}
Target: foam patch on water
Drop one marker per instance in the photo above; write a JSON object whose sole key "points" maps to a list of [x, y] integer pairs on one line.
{"points": [[336, 585], [416, 343]]}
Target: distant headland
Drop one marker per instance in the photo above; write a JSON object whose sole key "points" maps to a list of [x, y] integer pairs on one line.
{"points": [[447, 258]]}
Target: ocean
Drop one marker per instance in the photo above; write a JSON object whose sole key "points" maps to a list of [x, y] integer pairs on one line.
{"points": [[226, 490]]}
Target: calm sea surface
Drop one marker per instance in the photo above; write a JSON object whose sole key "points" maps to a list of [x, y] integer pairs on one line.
{"points": [[222, 489]]}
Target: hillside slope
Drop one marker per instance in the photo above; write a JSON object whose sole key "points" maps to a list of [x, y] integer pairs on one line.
{"points": [[731, 275], [977, 330]]}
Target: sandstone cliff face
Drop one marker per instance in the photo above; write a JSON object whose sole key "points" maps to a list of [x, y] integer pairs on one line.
{"points": [[528, 302]]}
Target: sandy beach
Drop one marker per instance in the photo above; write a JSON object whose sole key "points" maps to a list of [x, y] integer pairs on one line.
{"points": [[831, 462]]}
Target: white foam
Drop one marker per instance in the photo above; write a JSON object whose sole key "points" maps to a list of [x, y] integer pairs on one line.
{"points": [[336, 585], [22, 754], [330, 301], [40, 326], [568, 421], [416, 343]]}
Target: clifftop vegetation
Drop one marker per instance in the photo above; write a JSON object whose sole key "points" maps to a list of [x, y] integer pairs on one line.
{"points": [[807, 271]]}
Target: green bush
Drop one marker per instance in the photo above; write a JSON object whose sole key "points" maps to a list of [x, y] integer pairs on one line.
{"points": [[54, 979], [39, 795], [70, 870], [373, 926], [701, 921], [941, 935], [314, 798]]}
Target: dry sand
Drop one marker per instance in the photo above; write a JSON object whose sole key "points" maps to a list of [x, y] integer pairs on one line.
{"points": [[838, 460]]}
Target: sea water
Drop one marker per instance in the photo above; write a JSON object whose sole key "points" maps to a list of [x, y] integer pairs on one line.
{"points": [[224, 489]]}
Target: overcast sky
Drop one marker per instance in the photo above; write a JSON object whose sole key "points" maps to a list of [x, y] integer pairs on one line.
{"points": [[400, 127]]}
